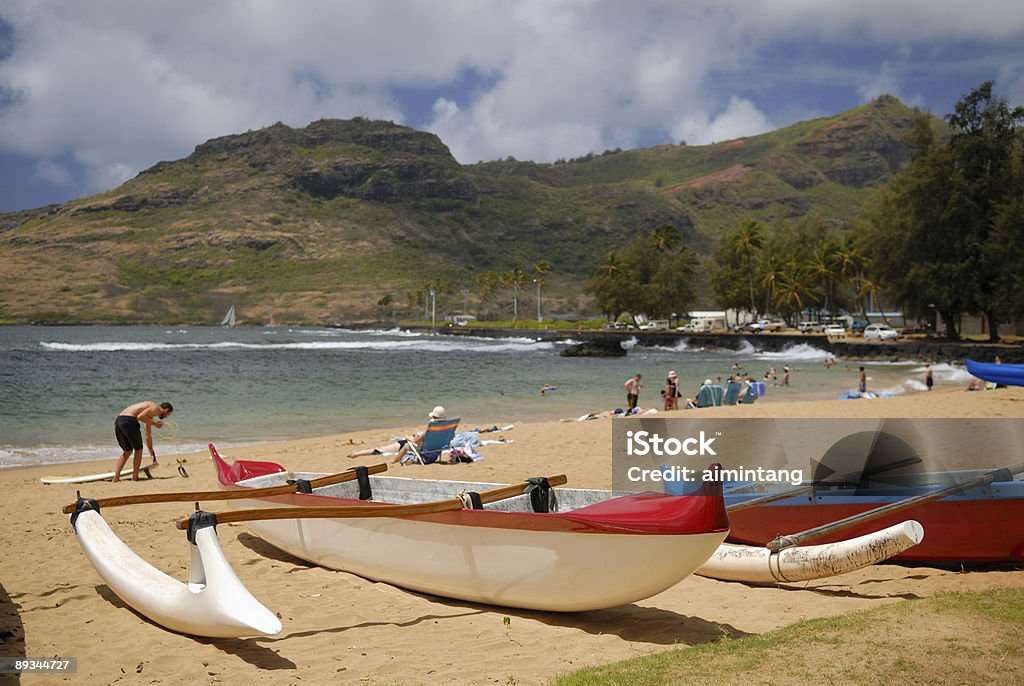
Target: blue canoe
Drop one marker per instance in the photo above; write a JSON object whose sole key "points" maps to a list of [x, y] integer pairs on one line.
{"points": [[1005, 374]]}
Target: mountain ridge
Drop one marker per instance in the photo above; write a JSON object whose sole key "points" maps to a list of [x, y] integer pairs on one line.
{"points": [[338, 219]]}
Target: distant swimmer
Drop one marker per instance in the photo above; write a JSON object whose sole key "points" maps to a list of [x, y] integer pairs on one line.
{"points": [[547, 388]]}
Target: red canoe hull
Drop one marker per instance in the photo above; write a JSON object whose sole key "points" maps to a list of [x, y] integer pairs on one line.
{"points": [[955, 530]]}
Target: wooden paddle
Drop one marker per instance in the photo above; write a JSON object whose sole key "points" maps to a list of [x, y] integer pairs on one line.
{"points": [[788, 541], [339, 511], [284, 489]]}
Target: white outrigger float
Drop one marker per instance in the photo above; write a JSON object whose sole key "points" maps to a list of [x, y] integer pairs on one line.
{"points": [[524, 545], [752, 564], [213, 603]]}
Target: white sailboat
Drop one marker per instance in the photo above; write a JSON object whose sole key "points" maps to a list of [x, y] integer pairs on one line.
{"points": [[229, 318]]}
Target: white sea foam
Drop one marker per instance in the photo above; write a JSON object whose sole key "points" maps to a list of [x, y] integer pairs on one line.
{"points": [[745, 349], [436, 344], [114, 346], [950, 373], [681, 346], [915, 385], [801, 352]]}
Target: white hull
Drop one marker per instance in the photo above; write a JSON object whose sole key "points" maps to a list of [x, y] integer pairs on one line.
{"points": [[804, 563], [214, 603], [539, 570]]}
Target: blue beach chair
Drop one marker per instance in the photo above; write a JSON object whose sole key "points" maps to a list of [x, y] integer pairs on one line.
{"points": [[754, 391], [709, 396], [436, 438], [732, 393]]}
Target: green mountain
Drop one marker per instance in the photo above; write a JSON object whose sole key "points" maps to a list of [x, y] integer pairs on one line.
{"points": [[319, 224]]}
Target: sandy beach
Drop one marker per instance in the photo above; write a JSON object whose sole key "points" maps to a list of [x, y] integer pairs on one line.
{"points": [[339, 628]]}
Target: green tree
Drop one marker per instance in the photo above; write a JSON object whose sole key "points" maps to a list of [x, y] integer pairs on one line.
{"points": [[650, 276], [825, 274], [606, 286], [514, 279], [487, 284], [793, 289], [734, 260], [540, 270], [914, 241], [938, 231], [985, 145]]}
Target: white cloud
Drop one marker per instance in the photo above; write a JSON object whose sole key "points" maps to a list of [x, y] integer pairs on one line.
{"points": [[116, 85], [740, 118], [885, 82]]}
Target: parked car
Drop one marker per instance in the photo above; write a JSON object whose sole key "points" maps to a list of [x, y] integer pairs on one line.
{"points": [[810, 327], [917, 329], [835, 331], [766, 325], [860, 325], [880, 332]]}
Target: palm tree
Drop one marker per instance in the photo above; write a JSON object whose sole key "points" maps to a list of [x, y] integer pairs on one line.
{"points": [[793, 288], [770, 281], [823, 271], [604, 285], [610, 266], [487, 283], [869, 288], [664, 237], [541, 269], [748, 243], [515, 278]]}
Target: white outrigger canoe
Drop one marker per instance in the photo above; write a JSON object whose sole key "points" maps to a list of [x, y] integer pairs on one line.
{"points": [[591, 549], [566, 550]]}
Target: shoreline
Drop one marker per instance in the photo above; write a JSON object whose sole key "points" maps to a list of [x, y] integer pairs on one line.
{"points": [[763, 409]]}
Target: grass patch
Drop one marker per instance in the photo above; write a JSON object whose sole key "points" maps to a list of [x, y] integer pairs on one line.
{"points": [[948, 638]]}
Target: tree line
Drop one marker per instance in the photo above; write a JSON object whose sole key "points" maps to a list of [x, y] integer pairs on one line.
{"points": [[945, 236]]}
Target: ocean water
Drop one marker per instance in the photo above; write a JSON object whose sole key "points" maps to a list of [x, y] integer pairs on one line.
{"points": [[61, 387]]}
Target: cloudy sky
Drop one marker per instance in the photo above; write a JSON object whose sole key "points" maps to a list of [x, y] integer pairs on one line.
{"points": [[93, 92]]}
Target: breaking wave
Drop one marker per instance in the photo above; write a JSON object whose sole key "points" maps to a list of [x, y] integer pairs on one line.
{"points": [[800, 352], [434, 344]]}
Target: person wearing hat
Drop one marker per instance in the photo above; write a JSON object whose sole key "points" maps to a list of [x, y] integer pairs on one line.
{"points": [[671, 392], [400, 445], [692, 402]]}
